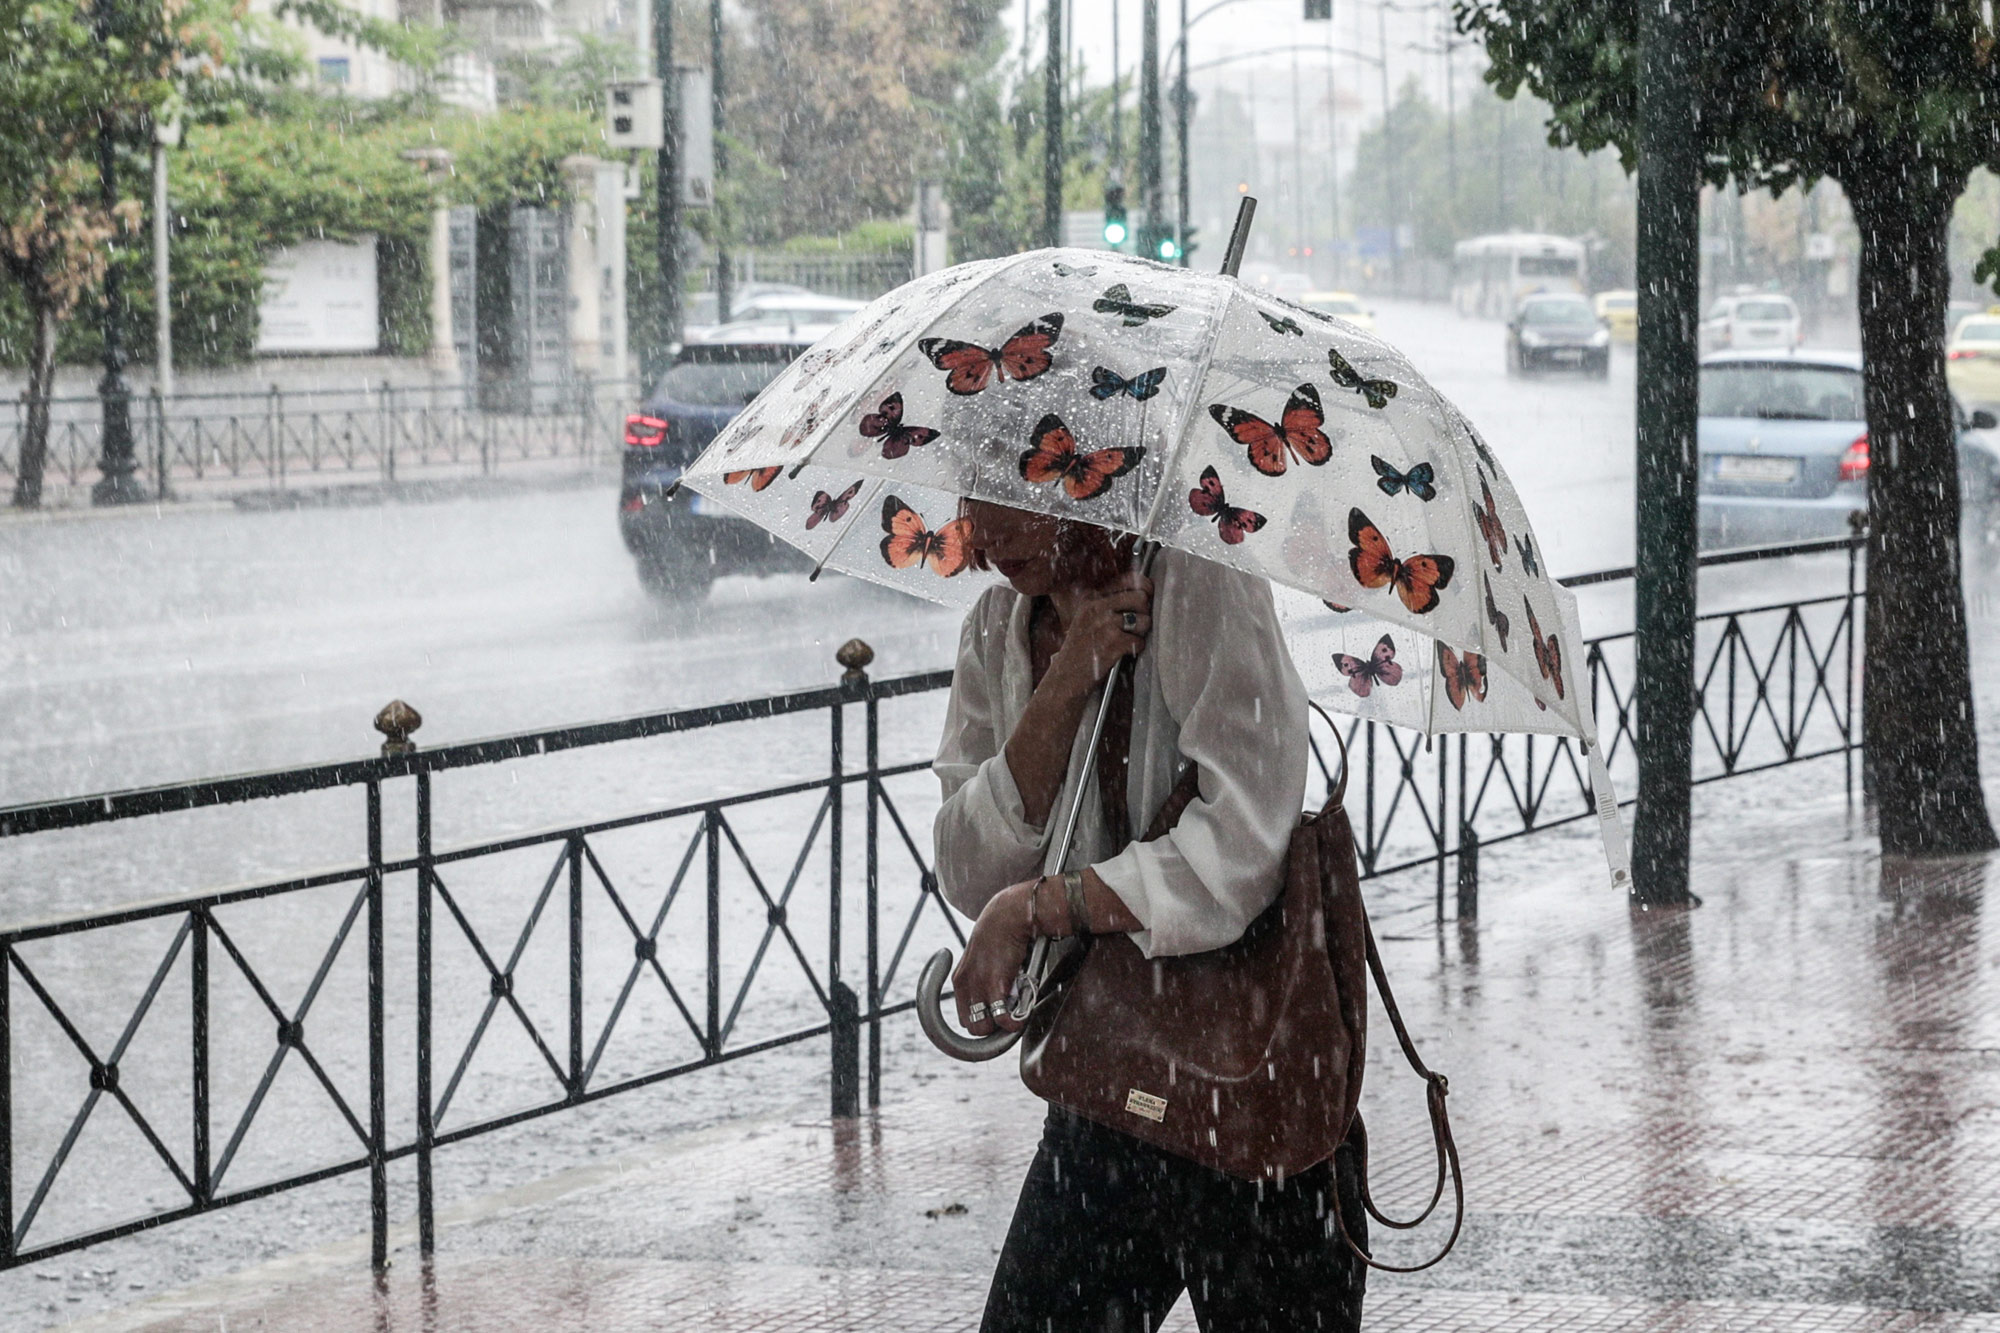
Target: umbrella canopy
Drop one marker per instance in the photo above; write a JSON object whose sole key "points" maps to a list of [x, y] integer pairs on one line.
{"points": [[1190, 410]]}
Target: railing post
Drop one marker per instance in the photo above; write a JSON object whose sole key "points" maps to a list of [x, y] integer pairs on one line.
{"points": [[378, 1099], [388, 433], [712, 836], [1468, 843], [575, 968], [8, 1245], [843, 1007], [198, 1061], [1857, 522], [426, 1128], [874, 909]]}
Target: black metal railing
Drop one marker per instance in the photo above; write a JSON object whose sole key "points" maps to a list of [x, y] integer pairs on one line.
{"points": [[700, 909], [276, 438]]}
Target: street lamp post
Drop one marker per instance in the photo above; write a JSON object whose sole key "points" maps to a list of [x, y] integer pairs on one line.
{"points": [[118, 461], [1183, 115], [725, 279], [1152, 193], [1052, 129], [667, 207]]}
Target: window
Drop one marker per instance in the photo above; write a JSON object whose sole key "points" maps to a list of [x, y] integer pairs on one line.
{"points": [[1765, 310], [1773, 392], [1566, 313], [723, 377], [1980, 330], [333, 69], [1547, 266]]}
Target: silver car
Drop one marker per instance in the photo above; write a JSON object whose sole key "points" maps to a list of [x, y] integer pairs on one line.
{"points": [[1783, 443]]}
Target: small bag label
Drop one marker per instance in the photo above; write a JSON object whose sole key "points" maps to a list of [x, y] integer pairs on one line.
{"points": [[1146, 1104]]}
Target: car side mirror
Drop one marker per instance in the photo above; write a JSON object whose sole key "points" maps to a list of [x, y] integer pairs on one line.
{"points": [[1984, 420]]}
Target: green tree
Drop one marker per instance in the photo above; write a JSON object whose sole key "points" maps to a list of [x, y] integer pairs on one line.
{"points": [[1896, 101]]}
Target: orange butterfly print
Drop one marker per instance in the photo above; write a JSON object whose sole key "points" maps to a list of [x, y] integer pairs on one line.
{"points": [[1086, 474], [1548, 652], [1464, 677], [1417, 580], [758, 478], [1298, 432], [970, 368], [1488, 518], [911, 544]]}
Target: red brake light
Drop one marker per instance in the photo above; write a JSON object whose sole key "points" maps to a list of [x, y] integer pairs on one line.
{"points": [[644, 432], [1854, 463]]}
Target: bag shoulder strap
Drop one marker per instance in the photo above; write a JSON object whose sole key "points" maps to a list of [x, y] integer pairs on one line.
{"points": [[1437, 1087]]}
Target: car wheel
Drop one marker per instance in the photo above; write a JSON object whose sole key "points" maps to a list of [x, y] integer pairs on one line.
{"points": [[677, 581], [1602, 370], [1513, 361]]}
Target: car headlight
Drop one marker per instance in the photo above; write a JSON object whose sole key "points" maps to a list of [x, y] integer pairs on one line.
{"points": [[1529, 338], [1601, 337]]}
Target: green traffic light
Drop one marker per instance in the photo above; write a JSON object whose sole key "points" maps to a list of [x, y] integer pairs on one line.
{"points": [[1168, 250], [1114, 232]]}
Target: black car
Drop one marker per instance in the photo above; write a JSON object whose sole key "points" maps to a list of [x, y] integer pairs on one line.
{"points": [[684, 542], [1558, 330]]}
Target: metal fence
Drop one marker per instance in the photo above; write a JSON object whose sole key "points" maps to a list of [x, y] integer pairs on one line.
{"points": [[277, 437], [859, 277], [555, 939]]}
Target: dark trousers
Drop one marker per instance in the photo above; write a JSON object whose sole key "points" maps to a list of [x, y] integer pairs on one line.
{"points": [[1109, 1231]]}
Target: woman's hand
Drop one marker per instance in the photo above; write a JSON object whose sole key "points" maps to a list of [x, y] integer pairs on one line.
{"points": [[1096, 636], [994, 956]]}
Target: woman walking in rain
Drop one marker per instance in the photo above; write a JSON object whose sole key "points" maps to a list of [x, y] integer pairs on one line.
{"points": [[1110, 1230]]}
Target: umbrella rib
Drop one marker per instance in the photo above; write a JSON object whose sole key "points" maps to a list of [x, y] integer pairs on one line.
{"points": [[846, 528]]}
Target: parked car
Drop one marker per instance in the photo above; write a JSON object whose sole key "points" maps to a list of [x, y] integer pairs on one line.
{"points": [[1619, 310], [792, 309], [682, 544], [1341, 305], [1557, 329], [1972, 359], [1783, 443], [1750, 322], [702, 307]]}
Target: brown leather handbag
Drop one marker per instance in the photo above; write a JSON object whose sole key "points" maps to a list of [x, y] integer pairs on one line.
{"points": [[1248, 1058]]}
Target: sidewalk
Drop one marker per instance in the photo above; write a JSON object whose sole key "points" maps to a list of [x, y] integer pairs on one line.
{"points": [[1780, 1111]]}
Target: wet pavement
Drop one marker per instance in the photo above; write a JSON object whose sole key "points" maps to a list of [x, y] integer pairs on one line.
{"points": [[1778, 1111]]}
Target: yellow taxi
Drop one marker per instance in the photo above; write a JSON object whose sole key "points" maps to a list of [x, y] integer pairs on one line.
{"points": [[1972, 359], [1341, 305], [1619, 310]]}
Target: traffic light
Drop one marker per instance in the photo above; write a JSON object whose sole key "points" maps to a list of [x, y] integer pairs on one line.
{"points": [[1168, 251], [1115, 230], [1188, 247], [1319, 9]]}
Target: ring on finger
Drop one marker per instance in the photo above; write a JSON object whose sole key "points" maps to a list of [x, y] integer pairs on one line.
{"points": [[1130, 620], [977, 1013]]}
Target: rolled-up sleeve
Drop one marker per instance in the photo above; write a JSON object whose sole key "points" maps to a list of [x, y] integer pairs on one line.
{"points": [[1228, 680], [983, 839]]}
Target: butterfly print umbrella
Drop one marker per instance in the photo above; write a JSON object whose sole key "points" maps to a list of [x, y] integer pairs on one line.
{"points": [[1193, 411]]}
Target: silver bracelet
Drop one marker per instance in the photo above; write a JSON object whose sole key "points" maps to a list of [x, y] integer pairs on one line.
{"points": [[1079, 911]]}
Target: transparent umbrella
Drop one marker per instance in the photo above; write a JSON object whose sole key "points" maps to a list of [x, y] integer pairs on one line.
{"points": [[1189, 410]]}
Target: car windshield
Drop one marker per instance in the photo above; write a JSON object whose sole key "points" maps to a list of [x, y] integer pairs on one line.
{"points": [[781, 312], [1574, 311], [1621, 302], [1774, 392], [1980, 330], [728, 380], [1764, 310], [1547, 266]]}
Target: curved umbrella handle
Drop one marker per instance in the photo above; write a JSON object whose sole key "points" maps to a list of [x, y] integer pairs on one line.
{"points": [[930, 1015]]}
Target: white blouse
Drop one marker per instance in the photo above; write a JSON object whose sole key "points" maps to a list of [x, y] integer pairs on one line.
{"points": [[1215, 684]]}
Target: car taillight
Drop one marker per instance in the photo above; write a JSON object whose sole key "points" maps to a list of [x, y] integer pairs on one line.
{"points": [[644, 432], [1963, 354], [1854, 463], [633, 502]]}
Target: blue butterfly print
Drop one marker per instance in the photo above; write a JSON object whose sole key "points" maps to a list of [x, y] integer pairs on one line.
{"points": [[1109, 383], [1421, 479]]}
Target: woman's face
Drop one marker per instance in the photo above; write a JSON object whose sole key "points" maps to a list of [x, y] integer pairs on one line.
{"points": [[1033, 552]]}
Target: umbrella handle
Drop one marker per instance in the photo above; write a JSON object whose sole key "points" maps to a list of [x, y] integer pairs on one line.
{"points": [[930, 1016]]}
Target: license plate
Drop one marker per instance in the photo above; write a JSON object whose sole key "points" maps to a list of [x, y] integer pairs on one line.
{"points": [[1769, 471], [1566, 354]]}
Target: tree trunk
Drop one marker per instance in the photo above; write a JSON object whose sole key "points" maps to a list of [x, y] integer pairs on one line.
{"points": [[1669, 282], [41, 378], [1916, 687]]}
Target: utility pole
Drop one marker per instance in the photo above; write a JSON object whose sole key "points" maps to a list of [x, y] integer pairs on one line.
{"points": [[1152, 190], [1390, 176], [1183, 115], [725, 279], [1669, 259], [1052, 129], [1117, 104], [667, 211], [117, 461]]}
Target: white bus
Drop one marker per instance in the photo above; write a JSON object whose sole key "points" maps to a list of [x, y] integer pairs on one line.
{"points": [[1490, 274]]}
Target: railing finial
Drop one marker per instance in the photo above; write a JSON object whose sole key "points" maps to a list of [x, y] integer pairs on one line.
{"points": [[396, 721], [855, 655]]}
